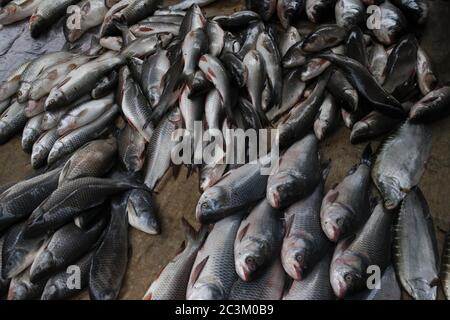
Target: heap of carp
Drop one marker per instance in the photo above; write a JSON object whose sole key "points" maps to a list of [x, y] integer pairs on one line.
{"points": [[99, 126]]}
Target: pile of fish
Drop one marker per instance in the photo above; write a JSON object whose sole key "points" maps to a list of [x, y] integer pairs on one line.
{"points": [[100, 126]]}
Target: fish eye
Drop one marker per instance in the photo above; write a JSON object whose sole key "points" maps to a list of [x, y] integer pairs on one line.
{"points": [[250, 262], [348, 277]]}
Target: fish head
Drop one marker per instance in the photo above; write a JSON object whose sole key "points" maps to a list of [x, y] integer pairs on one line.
{"points": [[283, 188], [38, 156], [336, 221], [206, 291], [55, 99], [14, 263], [347, 274], [43, 264], [211, 204], [297, 255], [250, 256]]}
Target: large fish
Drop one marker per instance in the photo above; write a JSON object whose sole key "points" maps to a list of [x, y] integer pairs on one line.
{"points": [[415, 248], [110, 260], [195, 44], [296, 174], [343, 92], [371, 247], [172, 282], [153, 72], [71, 199], [66, 245], [22, 198], [213, 273], [345, 208], [258, 241], [142, 211], [401, 161]]}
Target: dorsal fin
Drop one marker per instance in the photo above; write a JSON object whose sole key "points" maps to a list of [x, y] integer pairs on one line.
{"points": [[198, 270]]}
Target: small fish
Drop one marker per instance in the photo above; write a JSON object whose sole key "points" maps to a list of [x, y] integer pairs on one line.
{"points": [[401, 161], [415, 252], [172, 282], [141, 211]]}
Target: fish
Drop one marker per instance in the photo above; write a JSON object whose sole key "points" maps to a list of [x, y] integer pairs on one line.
{"points": [[84, 114], [186, 4], [372, 126], [109, 26], [236, 191], [389, 288], [22, 254], [255, 78], [302, 115], [172, 282], [414, 10], [432, 107], [12, 121], [365, 83], [193, 19], [237, 20], [32, 132], [401, 161], [316, 286], [213, 273], [265, 8], [131, 149], [377, 62], [110, 259], [289, 10], [258, 241], [17, 10], [235, 67], [111, 43], [346, 207], [349, 13], [22, 288], [343, 92], [141, 211], [65, 246], [42, 147], [268, 49], [75, 139], [92, 15], [426, 77], [216, 73], [213, 109], [304, 242], [296, 175], [160, 148], [82, 80], [293, 88], [216, 36], [53, 75], [250, 37], [319, 10], [46, 14], [56, 287], [94, 159], [401, 63], [4, 105], [371, 247], [137, 10], [153, 71], [328, 117], [210, 174], [391, 22], [356, 47], [415, 252], [288, 39], [445, 271], [34, 69], [11, 84], [71, 199], [269, 286]]}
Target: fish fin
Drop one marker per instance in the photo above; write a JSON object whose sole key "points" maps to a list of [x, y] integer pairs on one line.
{"points": [[367, 155], [241, 234], [198, 269], [332, 195]]}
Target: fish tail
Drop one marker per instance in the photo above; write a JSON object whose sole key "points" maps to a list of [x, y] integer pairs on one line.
{"points": [[193, 238]]}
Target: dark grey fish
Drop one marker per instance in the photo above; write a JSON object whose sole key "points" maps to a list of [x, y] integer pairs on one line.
{"points": [[110, 260], [213, 273], [372, 126], [371, 247], [401, 161], [391, 25], [378, 61], [265, 8], [62, 285], [105, 86], [22, 288], [345, 208], [289, 11], [349, 13], [258, 241], [71, 199], [316, 286], [66, 246], [319, 10], [415, 248], [356, 47], [415, 10], [172, 282], [22, 198], [434, 106], [216, 37], [296, 174], [142, 211], [153, 72], [365, 83], [268, 286], [287, 39], [199, 85], [295, 56]]}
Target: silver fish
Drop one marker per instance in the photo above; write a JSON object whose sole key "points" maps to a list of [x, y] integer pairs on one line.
{"points": [[195, 44], [154, 69], [32, 132], [146, 29], [289, 11], [216, 37]]}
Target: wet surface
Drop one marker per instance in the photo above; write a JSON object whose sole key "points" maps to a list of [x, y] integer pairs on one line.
{"points": [[178, 197]]}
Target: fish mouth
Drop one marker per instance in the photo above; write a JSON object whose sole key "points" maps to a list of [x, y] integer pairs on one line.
{"points": [[274, 198], [333, 233]]}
